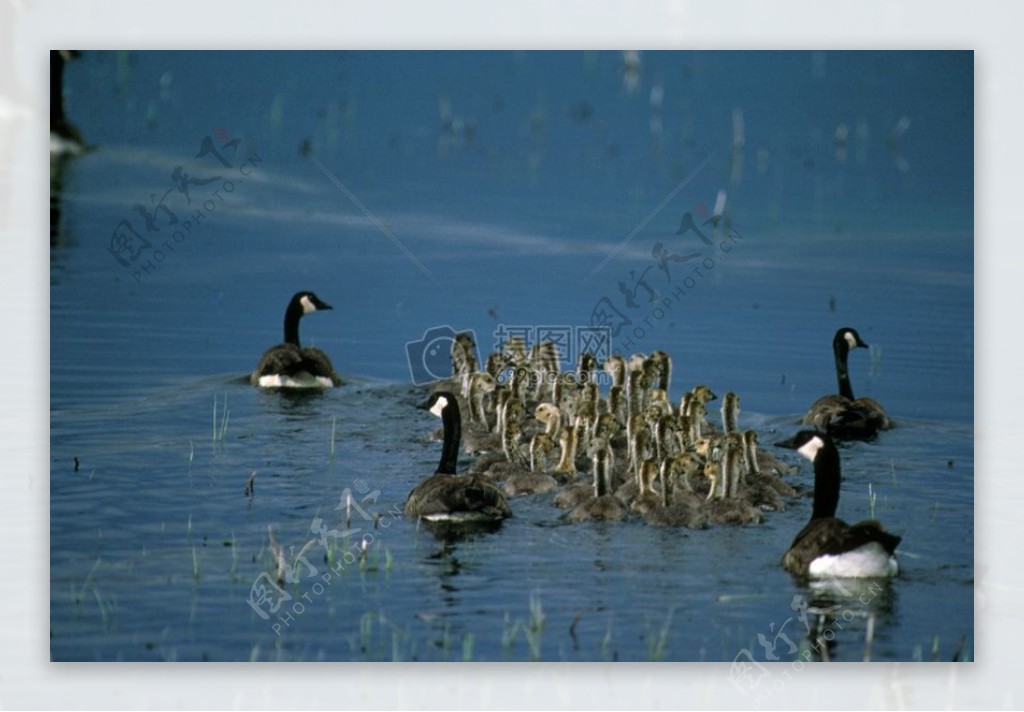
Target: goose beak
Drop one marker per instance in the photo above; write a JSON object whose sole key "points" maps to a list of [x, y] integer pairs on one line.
{"points": [[323, 305], [425, 405]]}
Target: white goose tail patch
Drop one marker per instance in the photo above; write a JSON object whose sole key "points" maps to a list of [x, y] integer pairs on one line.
{"points": [[867, 561], [459, 517], [276, 380]]}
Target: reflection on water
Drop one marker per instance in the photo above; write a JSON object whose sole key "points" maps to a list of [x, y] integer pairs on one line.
{"points": [[850, 606]]}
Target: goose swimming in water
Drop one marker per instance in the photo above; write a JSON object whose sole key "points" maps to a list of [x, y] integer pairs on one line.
{"points": [[446, 496], [841, 415], [828, 547], [289, 365]]}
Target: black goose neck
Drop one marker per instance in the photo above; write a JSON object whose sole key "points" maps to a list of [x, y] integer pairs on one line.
{"points": [[291, 322], [452, 423], [827, 479], [842, 349]]}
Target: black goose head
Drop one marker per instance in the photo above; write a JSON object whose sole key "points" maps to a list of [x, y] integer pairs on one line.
{"points": [[445, 406], [807, 442], [439, 402], [848, 338], [819, 448], [300, 304]]}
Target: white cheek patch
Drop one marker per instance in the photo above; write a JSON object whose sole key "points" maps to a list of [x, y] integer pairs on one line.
{"points": [[440, 405], [810, 448], [850, 339], [307, 305]]}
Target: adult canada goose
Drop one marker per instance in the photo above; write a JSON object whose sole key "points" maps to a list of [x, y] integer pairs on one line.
{"points": [[841, 415], [446, 496], [828, 547], [289, 365]]}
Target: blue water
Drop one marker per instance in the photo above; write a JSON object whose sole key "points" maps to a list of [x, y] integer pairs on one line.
{"points": [[510, 178]]}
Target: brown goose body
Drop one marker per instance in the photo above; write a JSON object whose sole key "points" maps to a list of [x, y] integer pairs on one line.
{"points": [[447, 496], [841, 415], [289, 364], [828, 547]]}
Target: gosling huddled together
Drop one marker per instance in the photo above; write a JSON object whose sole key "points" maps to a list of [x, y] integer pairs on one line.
{"points": [[628, 453], [631, 453]]}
